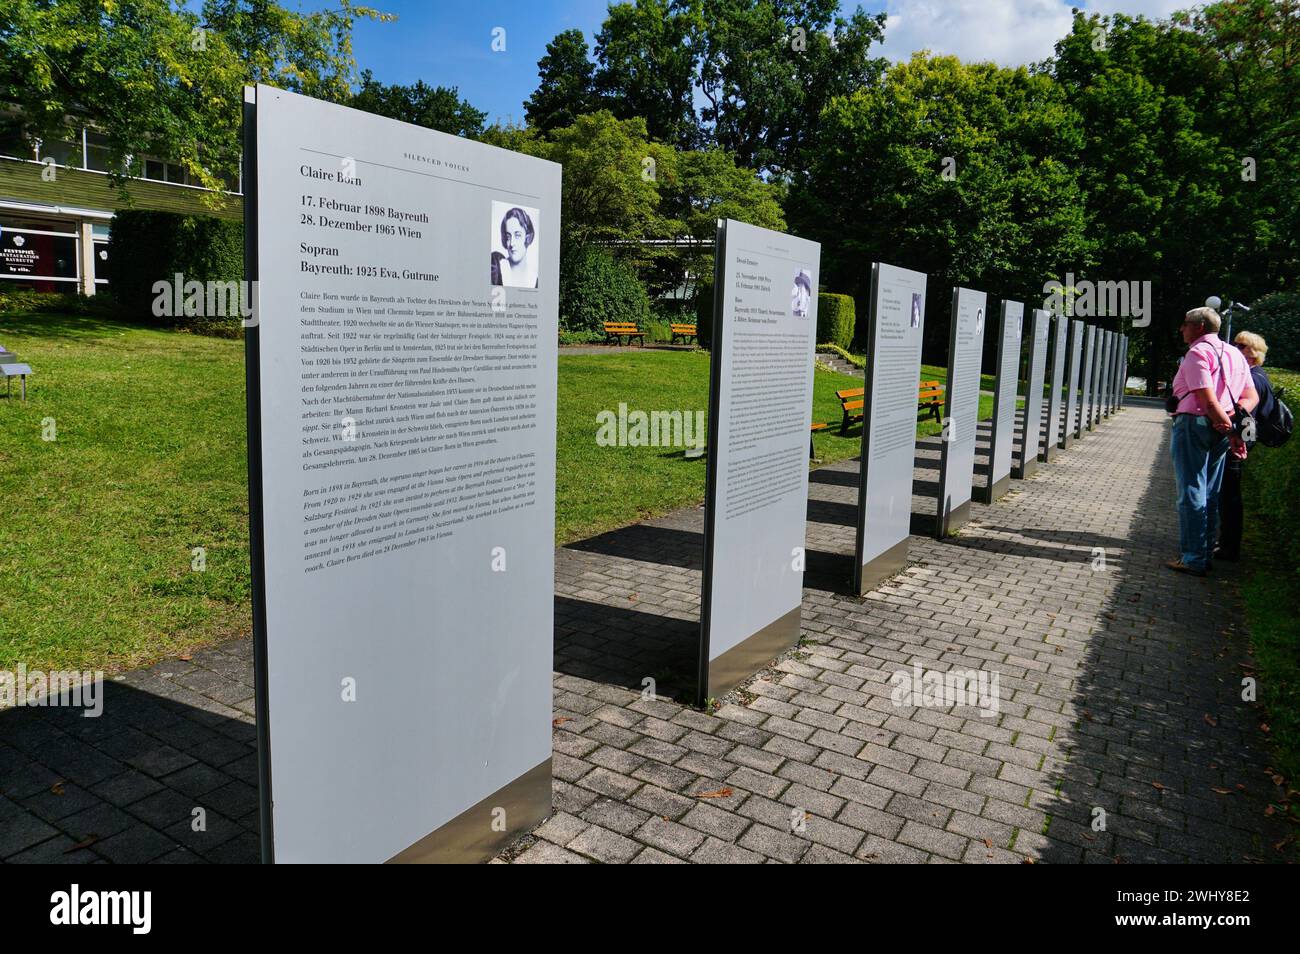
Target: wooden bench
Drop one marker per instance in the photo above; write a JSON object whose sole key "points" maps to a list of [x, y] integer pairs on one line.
{"points": [[685, 332], [616, 331], [816, 426], [929, 398]]}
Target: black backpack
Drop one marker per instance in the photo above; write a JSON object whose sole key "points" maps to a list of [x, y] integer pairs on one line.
{"points": [[1275, 430]]}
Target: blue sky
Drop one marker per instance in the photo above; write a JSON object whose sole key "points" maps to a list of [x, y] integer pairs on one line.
{"points": [[449, 42]]}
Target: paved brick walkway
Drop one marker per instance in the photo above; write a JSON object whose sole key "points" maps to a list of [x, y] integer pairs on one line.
{"points": [[1119, 691]]}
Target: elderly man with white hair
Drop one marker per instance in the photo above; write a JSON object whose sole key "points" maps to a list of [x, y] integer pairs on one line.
{"points": [[1212, 380]]}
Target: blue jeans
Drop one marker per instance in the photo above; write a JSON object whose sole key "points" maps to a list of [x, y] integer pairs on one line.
{"points": [[1199, 452]]}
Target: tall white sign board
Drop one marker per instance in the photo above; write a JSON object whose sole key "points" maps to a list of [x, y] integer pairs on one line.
{"points": [[1011, 328], [1075, 360], [1103, 379], [1033, 432], [1085, 393], [897, 320], [961, 409], [756, 504], [1112, 373], [1123, 369], [1060, 329], [402, 474]]}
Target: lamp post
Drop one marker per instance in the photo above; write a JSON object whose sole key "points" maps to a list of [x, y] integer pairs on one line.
{"points": [[1214, 302]]}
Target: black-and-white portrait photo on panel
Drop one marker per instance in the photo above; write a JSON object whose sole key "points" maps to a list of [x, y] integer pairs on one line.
{"points": [[515, 251]]}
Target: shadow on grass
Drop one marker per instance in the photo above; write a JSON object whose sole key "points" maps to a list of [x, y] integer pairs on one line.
{"points": [[64, 325]]}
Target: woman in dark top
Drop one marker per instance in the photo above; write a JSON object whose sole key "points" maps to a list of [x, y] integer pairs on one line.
{"points": [[1230, 508]]}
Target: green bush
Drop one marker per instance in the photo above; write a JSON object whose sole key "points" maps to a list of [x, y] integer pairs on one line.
{"points": [[836, 318], [595, 288], [22, 301], [857, 360], [1271, 585], [1277, 318], [147, 247], [1269, 484], [581, 337]]}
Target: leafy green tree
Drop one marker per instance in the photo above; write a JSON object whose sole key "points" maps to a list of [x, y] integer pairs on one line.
{"points": [[437, 108], [308, 53], [769, 67], [1162, 188], [961, 171], [612, 178], [566, 88], [708, 185], [646, 53], [157, 78], [1254, 106]]}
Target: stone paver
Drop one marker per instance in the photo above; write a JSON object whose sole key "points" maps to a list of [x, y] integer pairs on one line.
{"points": [[125, 786], [1118, 693]]}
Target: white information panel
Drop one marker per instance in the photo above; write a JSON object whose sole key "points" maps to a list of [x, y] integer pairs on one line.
{"points": [[1060, 328], [1123, 370], [1121, 381], [961, 409], [1103, 376], [1112, 373], [1072, 385], [1085, 393], [764, 341], [403, 454], [1033, 431], [1011, 329], [1098, 353], [897, 321]]}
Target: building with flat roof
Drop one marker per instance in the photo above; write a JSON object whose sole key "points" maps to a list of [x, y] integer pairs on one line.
{"points": [[57, 203]]}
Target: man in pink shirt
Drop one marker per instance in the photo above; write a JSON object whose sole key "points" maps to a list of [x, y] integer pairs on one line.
{"points": [[1212, 378]]}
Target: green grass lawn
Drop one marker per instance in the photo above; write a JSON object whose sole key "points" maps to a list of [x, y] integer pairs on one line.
{"points": [[99, 523], [1270, 588], [148, 463]]}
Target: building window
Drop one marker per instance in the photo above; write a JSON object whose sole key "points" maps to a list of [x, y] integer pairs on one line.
{"points": [[15, 146], [44, 257], [63, 152], [98, 155]]}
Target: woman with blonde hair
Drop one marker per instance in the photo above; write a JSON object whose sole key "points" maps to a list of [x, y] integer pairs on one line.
{"points": [[1254, 348]]}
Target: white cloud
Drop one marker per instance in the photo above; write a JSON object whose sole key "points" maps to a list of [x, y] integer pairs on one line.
{"points": [[1008, 32]]}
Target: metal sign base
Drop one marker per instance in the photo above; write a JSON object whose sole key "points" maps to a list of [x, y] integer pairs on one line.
{"points": [[874, 572], [478, 834], [740, 662]]}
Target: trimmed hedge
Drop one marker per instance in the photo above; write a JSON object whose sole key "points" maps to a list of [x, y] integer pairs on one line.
{"points": [[1269, 483], [1277, 318], [836, 318], [595, 288], [146, 247], [1271, 586]]}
